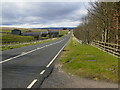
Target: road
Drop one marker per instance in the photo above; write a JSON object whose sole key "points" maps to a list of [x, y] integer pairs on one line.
{"points": [[27, 67]]}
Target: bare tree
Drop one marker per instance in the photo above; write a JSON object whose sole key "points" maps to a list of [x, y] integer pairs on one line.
{"points": [[101, 23]]}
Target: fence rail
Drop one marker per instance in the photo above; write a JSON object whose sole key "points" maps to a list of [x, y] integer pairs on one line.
{"points": [[111, 48]]}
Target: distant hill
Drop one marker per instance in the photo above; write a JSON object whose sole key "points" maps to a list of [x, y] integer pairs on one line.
{"points": [[56, 28], [50, 28]]}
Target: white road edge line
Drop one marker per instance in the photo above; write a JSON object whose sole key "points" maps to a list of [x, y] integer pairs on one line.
{"points": [[27, 52], [56, 55], [32, 83], [42, 71]]}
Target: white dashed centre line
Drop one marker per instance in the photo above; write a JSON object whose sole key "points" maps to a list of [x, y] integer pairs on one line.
{"points": [[32, 83], [42, 71]]}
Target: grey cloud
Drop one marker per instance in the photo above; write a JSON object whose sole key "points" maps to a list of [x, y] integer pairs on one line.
{"points": [[42, 13]]}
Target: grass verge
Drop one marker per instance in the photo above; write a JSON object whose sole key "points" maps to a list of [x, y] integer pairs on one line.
{"points": [[6, 47], [89, 62]]}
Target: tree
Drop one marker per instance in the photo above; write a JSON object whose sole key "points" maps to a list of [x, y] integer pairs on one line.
{"points": [[101, 23]]}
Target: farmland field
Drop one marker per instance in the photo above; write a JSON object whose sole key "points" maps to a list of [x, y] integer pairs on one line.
{"points": [[8, 29], [7, 37]]}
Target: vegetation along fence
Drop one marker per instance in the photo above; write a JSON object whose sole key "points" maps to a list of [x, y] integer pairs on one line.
{"points": [[113, 49]]}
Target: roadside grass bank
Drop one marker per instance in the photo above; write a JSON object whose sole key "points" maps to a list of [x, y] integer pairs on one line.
{"points": [[88, 62], [6, 47]]}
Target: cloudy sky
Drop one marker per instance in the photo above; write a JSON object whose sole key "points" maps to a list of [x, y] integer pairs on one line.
{"points": [[42, 14]]}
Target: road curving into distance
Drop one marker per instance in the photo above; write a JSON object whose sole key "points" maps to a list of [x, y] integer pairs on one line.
{"points": [[27, 67]]}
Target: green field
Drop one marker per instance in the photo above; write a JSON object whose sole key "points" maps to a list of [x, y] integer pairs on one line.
{"points": [[9, 38], [63, 32], [89, 62], [9, 29]]}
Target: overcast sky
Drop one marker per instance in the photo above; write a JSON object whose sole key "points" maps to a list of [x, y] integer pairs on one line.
{"points": [[43, 14]]}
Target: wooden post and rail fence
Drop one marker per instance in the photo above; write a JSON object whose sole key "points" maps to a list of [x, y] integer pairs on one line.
{"points": [[111, 48]]}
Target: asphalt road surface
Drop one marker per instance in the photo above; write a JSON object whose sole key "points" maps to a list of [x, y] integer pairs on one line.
{"points": [[27, 67]]}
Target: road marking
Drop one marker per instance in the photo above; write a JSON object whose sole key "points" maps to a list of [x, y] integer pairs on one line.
{"points": [[56, 55], [11, 58], [35, 80], [32, 83], [42, 71], [22, 54], [38, 48]]}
